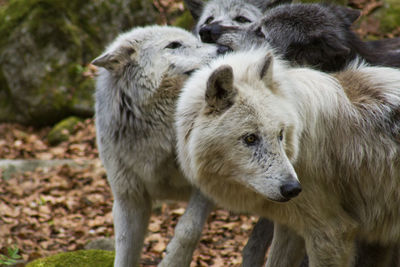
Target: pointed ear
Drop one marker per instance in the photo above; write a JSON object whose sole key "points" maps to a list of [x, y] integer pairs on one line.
{"points": [[116, 59], [220, 91], [266, 70], [195, 7], [347, 14], [352, 14], [268, 4]]}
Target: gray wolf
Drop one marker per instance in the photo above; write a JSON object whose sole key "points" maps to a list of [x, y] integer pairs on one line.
{"points": [[213, 14], [139, 79], [249, 124], [317, 35]]}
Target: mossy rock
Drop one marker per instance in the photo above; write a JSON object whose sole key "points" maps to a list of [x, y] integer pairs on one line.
{"points": [[48, 47], [62, 130], [389, 15], [80, 258], [185, 21]]}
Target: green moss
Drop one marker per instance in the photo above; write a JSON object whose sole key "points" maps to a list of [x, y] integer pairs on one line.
{"points": [[6, 108], [389, 15], [80, 258], [54, 41], [62, 130], [185, 21]]}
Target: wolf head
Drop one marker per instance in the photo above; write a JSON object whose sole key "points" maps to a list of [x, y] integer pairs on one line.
{"points": [[141, 74], [318, 35], [215, 15], [148, 54], [237, 134]]}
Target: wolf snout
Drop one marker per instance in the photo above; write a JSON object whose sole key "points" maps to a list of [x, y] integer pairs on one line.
{"points": [[290, 190], [210, 33]]}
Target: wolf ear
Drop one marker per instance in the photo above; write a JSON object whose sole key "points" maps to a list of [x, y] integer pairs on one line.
{"points": [[348, 15], [266, 70], [195, 7], [116, 59], [220, 91], [352, 14], [268, 4]]}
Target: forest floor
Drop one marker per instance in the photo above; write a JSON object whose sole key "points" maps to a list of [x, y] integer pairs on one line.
{"points": [[62, 208]]}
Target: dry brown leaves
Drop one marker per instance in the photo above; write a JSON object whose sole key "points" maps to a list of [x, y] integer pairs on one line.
{"points": [[52, 210], [57, 209], [18, 142]]}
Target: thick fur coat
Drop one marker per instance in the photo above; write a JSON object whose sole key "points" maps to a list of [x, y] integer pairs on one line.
{"points": [[140, 77], [339, 135], [317, 35]]}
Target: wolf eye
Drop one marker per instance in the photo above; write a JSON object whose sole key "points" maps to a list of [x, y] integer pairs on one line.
{"points": [[241, 19], [280, 136], [174, 45], [250, 139], [209, 19], [259, 33]]}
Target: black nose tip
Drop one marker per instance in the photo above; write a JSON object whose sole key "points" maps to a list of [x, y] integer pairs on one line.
{"points": [[222, 49], [291, 189], [210, 33]]}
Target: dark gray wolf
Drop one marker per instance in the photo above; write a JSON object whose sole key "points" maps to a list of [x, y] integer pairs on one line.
{"points": [[316, 35], [138, 83], [249, 127]]}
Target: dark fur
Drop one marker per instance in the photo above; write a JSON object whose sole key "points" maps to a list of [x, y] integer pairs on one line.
{"points": [[385, 44], [317, 35], [320, 35]]}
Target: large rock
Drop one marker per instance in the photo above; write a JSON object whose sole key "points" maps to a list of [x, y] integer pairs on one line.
{"points": [[45, 49]]}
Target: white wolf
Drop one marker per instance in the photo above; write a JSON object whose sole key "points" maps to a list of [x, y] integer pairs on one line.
{"points": [[214, 18], [141, 76], [248, 126]]}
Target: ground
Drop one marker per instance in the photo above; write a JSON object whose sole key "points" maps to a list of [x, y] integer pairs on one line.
{"points": [[57, 209]]}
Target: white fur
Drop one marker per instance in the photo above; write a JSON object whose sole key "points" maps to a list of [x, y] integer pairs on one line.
{"points": [[345, 150], [135, 100]]}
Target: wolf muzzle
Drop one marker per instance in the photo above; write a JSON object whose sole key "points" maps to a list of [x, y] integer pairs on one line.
{"points": [[212, 32]]}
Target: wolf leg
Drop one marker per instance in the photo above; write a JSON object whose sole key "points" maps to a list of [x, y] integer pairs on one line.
{"points": [[258, 243], [330, 248], [287, 249], [376, 255], [131, 218], [187, 232]]}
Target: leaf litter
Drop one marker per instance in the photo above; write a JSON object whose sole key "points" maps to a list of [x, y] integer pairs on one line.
{"points": [[56, 209]]}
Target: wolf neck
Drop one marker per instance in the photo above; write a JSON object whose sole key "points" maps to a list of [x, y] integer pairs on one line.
{"points": [[317, 97], [142, 103], [338, 125]]}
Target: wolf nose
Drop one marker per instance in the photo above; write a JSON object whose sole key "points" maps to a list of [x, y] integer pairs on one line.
{"points": [[291, 189], [210, 33]]}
